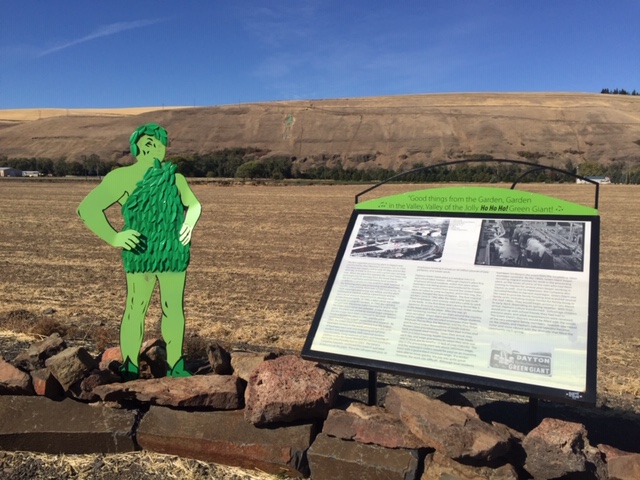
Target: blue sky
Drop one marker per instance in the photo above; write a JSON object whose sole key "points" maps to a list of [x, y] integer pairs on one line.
{"points": [[107, 54]]}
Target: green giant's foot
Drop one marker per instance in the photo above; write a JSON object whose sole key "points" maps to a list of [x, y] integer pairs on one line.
{"points": [[179, 369], [129, 371]]}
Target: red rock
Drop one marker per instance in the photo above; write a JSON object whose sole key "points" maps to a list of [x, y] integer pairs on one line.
{"points": [[83, 390], [555, 448], [289, 388], [151, 351], [370, 424], [439, 466], [610, 452], [46, 385], [201, 391], [14, 381], [112, 354], [456, 432], [624, 467], [225, 438]]}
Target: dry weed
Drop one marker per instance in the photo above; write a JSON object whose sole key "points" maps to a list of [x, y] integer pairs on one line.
{"points": [[123, 466], [47, 326]]}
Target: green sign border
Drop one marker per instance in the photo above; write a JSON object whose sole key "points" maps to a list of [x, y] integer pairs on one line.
{"points": [[477, 200]]}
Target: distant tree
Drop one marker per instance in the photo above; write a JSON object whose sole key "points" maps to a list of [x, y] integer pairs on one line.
{"points": [[616, 171], [92, 164], [569, 166], [75, 168], [251, 169], [619, 91], [60, 167], [588, 169], [277, 167], [184, 165], [44, 166]]}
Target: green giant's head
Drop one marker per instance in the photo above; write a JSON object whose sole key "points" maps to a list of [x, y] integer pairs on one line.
{"points": [[148, 142]]}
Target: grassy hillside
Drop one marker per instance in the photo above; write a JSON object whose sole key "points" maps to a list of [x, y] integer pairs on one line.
{"points": [[387, 132]]}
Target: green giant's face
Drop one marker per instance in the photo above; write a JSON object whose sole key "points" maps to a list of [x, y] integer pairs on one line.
{"points": [[150, 148]]}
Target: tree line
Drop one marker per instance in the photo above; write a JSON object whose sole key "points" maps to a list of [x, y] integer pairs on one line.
{"points": [[252, 163], [619, 91]]}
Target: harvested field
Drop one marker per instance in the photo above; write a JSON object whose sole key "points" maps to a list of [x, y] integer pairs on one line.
{"points": [[260, 258]]}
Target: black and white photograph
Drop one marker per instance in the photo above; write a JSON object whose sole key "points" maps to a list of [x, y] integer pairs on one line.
{"points": [[542, 244], [407, 238]]}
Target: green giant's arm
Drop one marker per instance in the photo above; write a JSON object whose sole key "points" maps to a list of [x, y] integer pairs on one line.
{"points": [[194, 209], [91, 211]]}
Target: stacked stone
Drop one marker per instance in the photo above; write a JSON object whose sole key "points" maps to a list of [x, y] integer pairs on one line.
{"points": [[280, 414]]}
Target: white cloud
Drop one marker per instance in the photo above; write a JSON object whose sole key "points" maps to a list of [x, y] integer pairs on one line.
{"points": [[104, 31]]}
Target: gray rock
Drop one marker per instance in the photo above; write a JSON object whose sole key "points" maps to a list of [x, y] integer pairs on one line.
{"points": [[38, 424], [370, 424], [288, 389], [225, 438], [14, 381], [457, 432], [556, 448], [219, 359], [596, 464], [70, 366], [153, 360], [244, 363], [334, 459], [35, 356], [200, 391]]}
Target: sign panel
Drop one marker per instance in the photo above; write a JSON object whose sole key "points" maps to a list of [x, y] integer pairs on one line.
{"points": [[481, 286]]}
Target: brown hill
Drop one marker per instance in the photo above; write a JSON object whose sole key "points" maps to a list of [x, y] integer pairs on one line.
{"points": [[380, 131]]}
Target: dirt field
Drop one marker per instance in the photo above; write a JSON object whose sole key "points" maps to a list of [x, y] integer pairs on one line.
{"points": [[260, 258]]}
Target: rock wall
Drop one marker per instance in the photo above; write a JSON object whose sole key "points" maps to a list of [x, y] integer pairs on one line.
{"points": [[277, 413]]}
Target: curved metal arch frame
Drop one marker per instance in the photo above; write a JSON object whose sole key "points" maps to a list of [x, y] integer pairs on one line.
{"points": [[535, 167]]}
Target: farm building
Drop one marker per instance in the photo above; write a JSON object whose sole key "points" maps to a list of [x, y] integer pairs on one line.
{"points": [[10, 172], [596, 178]]}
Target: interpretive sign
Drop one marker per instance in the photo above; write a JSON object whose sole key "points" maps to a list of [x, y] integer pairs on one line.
{"points": [[481, 286]]}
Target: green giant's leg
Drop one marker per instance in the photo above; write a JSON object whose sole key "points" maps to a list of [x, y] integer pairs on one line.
{"points": [[139, 290], [172, 300]]}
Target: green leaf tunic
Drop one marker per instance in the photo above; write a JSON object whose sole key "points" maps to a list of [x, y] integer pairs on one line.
{"points": [[155, 210]]}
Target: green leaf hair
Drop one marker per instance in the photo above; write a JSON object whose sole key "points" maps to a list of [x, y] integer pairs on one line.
{"points": [[151, 129]]}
